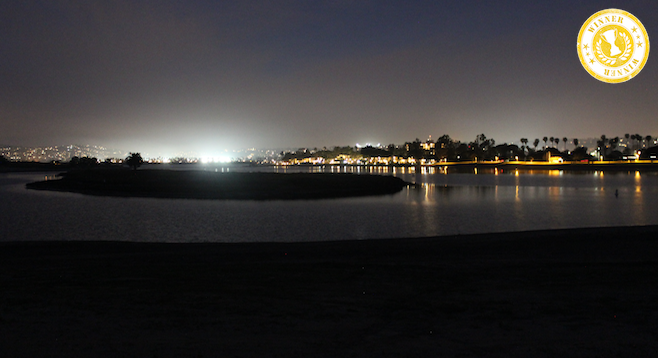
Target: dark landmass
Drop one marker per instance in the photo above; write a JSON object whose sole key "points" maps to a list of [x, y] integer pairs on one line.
{"points": [[211, 185], [567, 166], [561, 293], [12, 167]]}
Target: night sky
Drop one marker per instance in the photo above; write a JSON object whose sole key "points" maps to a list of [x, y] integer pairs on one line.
{"points": [[170, 76]]}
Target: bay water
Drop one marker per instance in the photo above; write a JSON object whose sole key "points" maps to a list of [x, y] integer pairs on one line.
{"points": [[443, 202]]}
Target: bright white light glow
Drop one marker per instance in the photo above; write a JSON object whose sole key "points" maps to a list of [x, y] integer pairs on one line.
{"points": [[220, 159]]}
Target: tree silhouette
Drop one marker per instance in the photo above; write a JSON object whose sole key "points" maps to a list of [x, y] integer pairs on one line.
{"points": [[602, 144], [552, 141], [648, 139], [565, 140], [545, 139], [134, 160], [415, 149], [580, 153], [536, 143], [613, 143], [557, 141], [524, 141], [575, 142], [639, 140]]}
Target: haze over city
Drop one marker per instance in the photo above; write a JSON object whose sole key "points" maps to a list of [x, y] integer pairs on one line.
{"points": [[167, 77]]}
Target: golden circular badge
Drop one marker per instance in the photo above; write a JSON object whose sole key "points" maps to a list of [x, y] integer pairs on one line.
{"points": [[613, 46]]}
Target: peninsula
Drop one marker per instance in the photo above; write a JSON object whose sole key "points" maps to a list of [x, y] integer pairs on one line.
{"points": [[213, 185]]}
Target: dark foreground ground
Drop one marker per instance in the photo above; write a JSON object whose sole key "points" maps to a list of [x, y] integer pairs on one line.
{"points": [[570, 293]]}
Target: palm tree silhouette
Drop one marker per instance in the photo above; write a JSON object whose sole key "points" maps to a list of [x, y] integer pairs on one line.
{"points": [[524, 141]]}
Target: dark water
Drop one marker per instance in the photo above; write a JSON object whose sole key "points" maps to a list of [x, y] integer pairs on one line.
{"points": [[443, 203]]}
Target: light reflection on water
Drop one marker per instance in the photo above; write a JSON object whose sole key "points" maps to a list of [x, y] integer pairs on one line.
{"points": [[443, 202]]}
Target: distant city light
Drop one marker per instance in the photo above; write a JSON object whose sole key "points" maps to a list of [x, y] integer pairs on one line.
{"points": [[220, 159]]}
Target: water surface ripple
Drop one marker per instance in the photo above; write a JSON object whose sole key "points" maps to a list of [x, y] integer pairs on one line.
{"points": [[441, 204]]}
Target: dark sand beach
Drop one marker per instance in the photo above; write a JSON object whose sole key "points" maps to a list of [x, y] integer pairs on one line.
{"points": [[567, 293]]}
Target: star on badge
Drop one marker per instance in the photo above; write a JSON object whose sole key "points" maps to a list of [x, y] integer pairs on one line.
{"points": [[634, 29], [639, 44]]}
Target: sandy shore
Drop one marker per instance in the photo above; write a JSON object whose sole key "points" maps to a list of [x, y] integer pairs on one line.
{"points": [[566, 293]]}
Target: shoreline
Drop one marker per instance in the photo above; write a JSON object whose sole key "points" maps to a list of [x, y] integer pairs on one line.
{"points": [[557, 236], [571, 292], [648, 164]]}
